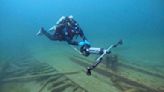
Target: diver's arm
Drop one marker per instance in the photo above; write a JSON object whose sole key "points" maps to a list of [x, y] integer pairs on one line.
{"points": [[76, 27], [73, 42], [82, 34]]}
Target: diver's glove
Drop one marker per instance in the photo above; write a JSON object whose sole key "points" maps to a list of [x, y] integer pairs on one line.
{"points": [[83, 43]]}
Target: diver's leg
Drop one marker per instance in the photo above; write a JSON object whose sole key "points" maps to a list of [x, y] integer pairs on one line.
{"points": [[48, 35], [72, 42]]}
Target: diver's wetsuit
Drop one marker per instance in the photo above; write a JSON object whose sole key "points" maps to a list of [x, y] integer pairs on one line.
{"points": [[64, 32]]}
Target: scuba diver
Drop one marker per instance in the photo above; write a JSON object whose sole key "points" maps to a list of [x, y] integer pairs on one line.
{"points": [[66, 29]]}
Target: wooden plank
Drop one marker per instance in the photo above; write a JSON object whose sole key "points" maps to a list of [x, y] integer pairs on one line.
{"points": [[31, 77], [111, 74]]}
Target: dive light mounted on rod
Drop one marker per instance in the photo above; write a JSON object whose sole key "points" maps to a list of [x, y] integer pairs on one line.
{"points": [[86, 50]]}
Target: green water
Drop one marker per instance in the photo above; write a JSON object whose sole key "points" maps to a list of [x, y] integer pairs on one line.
{"points": [[138, 22]]}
